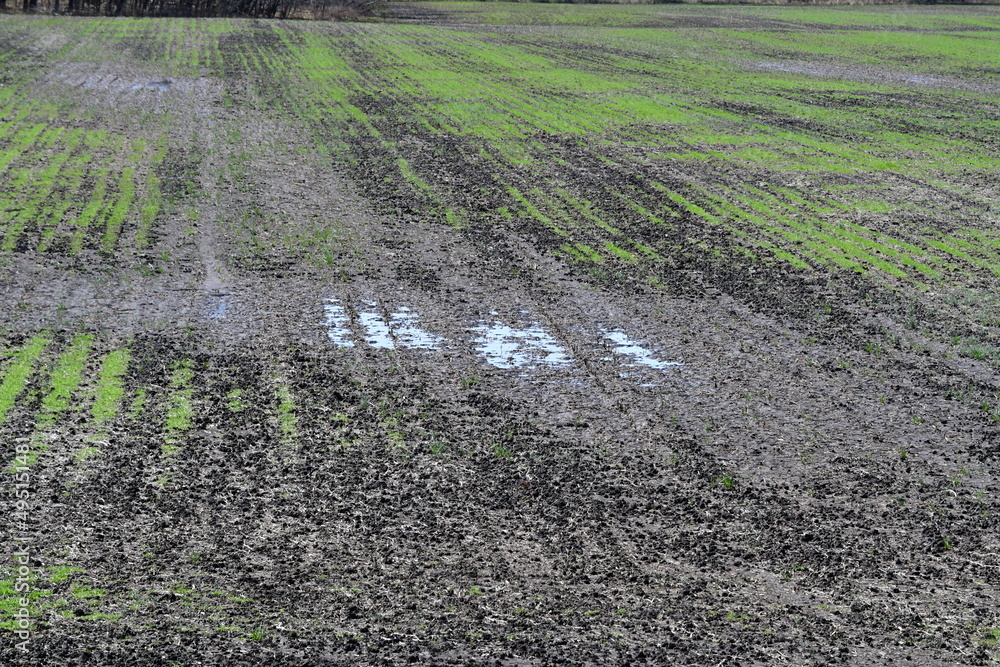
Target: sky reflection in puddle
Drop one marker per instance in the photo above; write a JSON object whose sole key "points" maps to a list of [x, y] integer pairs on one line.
{"points": [[626, 347], [500, 345], [163, 84], [220, 304], [403, 324], [402, 328], [337, 323], [379, 335], [507, 347]]}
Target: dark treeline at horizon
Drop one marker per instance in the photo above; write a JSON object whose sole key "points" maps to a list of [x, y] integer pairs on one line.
{"points": [[315, 9]]}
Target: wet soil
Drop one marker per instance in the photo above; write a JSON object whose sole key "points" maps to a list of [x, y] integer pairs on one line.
{"points": [[497, 457]]}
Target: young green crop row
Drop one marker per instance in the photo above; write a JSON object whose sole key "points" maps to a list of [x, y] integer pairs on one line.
{"points": [[47, 384], [66, 189], [877, 18], [700, 132], [78, 398], [66, 184], [42, 382], [85, 406], [852, 166]]}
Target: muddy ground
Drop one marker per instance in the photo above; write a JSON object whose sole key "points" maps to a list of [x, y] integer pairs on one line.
{"points": [[445, 445]]}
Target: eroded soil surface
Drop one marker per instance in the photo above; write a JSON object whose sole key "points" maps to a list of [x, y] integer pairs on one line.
{"points": [[295, 385]]}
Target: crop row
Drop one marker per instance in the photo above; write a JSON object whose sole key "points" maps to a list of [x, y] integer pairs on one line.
{"points": [[419, 109], [703, 126], [66, 190], [73, 183], [92, 425]]}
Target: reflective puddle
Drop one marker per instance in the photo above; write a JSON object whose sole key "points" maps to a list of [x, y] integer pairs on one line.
{"points": [[337, 324], [403, 324], [378, 330], [507, 347], [796, 68], [220, 303], [634, 352], [163, 84], [831, 70], [401, 329], [500, 345]]}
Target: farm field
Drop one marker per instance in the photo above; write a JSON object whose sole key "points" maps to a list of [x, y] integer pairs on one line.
{"points": [[495, 333]]}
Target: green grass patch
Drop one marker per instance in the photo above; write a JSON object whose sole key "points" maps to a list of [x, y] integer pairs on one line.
{"points": [[109, 390], [17, 373], [287, 420], [65, 379], [181, 410]]}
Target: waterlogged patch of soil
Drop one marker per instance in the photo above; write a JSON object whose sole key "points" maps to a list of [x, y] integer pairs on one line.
{"points": [[375, 326], [634, 352], [516, 347], [117, 80], [218, 305], [500, 345], [405, 326], [830, 70], [338, 323], [161, 85]]}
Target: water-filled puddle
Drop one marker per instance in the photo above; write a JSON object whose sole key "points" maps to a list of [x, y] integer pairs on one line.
{"points": [[220, 304], [403, 324], [636, 353], [337, 324], [500, 345], [926, 80], [507, 347], [401, 329], [831, 70], [796, 68], [378, 330], [162, 84]]}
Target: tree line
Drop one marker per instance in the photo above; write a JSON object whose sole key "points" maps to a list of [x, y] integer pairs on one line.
{"points": [[281, 9]]}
